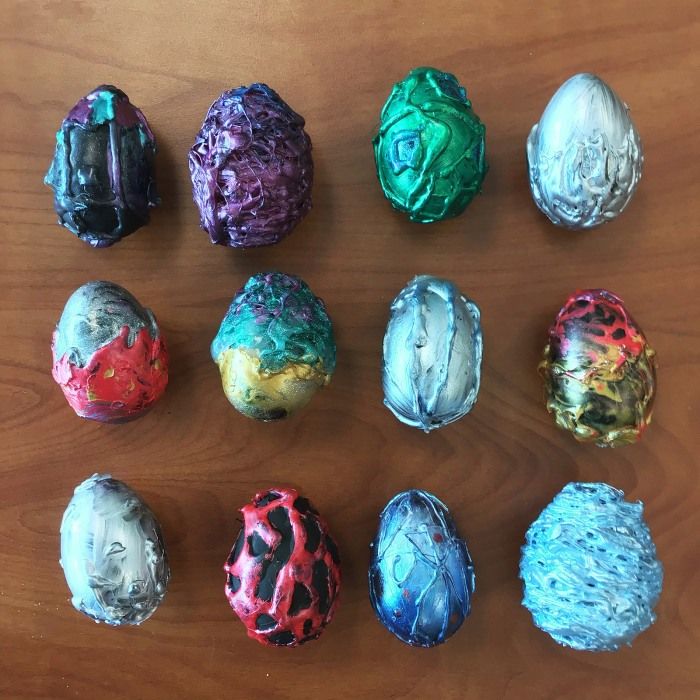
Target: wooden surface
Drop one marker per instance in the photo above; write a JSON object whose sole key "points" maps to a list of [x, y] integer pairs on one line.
{"points": [[195, 460]]}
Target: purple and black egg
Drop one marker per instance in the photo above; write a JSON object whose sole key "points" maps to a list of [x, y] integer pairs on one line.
{"points": [[251, 168], [102, 169]]}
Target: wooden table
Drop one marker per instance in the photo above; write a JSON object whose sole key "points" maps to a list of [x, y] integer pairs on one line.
{"points": [[196, 460]]}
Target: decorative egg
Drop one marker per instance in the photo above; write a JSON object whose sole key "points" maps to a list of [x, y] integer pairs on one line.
{"points": [[275, 347], [102, 170], [421, 577], [112, 553], [430, 148], [251, 168], [283, 573], [432, 354], [598, 370], [109, 357], [589, 567], [585, 155]]}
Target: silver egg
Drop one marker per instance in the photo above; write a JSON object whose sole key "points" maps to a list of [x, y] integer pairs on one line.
{"points": [[112, 553], [585, 155], [432, 354]]}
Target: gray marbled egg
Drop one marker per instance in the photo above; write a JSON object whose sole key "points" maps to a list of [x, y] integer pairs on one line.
{"points": [[432, 354], [585, 155], [112, 553]]}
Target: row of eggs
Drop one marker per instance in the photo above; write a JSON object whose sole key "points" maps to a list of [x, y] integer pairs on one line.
{"points": [[591, 577], [252, 171], [275, 347]]}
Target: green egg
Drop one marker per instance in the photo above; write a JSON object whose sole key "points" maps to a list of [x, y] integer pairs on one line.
{"points": [[430, 150]]}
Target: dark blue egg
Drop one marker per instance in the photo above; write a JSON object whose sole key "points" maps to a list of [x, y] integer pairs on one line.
{"points": [[421, 577]]}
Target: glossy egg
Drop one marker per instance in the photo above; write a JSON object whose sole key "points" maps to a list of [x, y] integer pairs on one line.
{"points": [[585, 155], [102, 170], [591, 577], [431, 367], [283, 573], [275, 347], [430, 149], [599, 370], [251, 168], [109, 356], [112, 553], [421, 577]]}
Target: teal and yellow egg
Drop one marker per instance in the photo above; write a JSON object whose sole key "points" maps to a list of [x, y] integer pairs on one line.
{"points": [[275, 347]]}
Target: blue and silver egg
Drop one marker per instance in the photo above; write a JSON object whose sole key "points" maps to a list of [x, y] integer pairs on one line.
{"points": [[421, 577], [112, 553], [432, 354], [589, 567], [585, 155]]}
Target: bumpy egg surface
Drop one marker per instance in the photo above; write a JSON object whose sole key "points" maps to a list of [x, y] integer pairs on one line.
{"points": [[251, 168], [275, 347], [102, 170], [283, 573], [433, 345], [430, 148], [112, 553], [589, 567], [421, 577], [599, 370], [585, 155], [109, 356]]}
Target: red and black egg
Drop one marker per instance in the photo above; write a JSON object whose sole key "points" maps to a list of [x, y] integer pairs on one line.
{"points": [[283, 573], [599, 370]]}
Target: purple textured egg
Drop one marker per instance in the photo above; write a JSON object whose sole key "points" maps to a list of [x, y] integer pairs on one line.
{"points": [[251, 168]]}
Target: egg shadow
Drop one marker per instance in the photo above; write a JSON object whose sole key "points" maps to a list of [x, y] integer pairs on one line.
{"points": [[167, 218]]}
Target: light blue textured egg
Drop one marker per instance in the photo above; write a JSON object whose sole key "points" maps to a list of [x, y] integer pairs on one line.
{"points": [[432, 354], [589, 567], [585, 155], [421, 577], [112, 553]]}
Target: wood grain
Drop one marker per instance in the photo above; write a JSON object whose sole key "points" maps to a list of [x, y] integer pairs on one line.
{"points": [[195, 460]]}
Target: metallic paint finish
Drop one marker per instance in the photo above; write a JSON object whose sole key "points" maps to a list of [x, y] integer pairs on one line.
{"points": [[94, 315], [102, 170], [112, 553], [266, 394], [430, 148], [283, 574], [251, 168], [589, 567], [109, 357], [432, 354], [275, 346], [599, 370], [421, 577], [585, 155]]}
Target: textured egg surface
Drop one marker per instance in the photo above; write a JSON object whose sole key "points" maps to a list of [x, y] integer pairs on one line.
{"points": [[584, 155], [421, 577], [275, 347], [283, 573], [431, 368], [251, 168], [430, 148], [102, 171], [112, 553], [109, 356], [591, 577], [599, 370]]}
